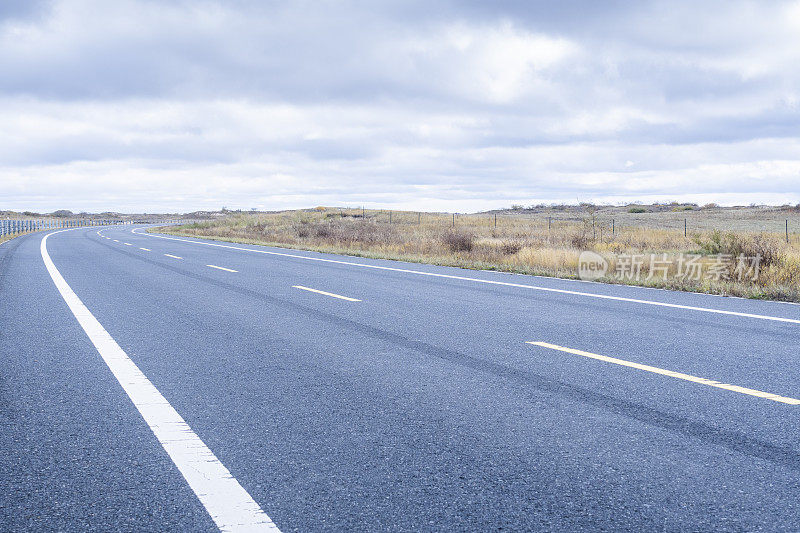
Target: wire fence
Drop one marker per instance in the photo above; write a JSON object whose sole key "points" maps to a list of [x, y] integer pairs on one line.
{"points": [[598, 227]]}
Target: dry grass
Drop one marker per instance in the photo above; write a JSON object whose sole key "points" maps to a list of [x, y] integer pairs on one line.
{"points": [[6, 238], [524, 244]]}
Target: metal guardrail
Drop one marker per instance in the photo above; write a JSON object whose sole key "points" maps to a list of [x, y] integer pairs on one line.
{"points": [[15, 227]]}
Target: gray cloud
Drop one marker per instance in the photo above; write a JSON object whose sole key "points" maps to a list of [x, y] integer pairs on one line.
{"points": [[458, 105]]}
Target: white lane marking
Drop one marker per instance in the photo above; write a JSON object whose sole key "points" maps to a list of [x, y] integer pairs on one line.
{"points": [[672, 374], [228, 503], [493, 282], [222, 268], [173, 256], [146, 249], [127, 244], [115, 240], [326, 293]]}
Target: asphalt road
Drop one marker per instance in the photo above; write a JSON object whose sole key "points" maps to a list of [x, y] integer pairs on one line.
{"points": [[414, 403]]}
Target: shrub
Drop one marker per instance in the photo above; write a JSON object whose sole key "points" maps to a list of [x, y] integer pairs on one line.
{"points": [[510, 247], [458, 241], [712, 245], [580, 241], [768, 248], [637, 210]]}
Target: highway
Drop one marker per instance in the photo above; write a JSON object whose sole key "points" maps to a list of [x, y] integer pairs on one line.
{"points": [[159, 383]]}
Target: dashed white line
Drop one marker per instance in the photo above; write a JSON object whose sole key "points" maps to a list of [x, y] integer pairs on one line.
{"points": [[222, 268], [146, 249], [227, 502], [115, 240], [671, 373], [491, 282], [326, 293], [173, 256], [127, 244]]}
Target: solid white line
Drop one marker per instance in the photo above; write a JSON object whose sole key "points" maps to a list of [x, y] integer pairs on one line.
{"points": [[672, 374], [493, 282], [325, 293], [173, 256], [146, 249], [228, 503], [222, 268]]}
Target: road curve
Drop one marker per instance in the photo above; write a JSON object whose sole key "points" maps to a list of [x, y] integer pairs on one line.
{"points": [[343, 393]]}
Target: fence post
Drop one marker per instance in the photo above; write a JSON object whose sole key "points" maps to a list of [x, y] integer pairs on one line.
{"points": [[454, 220], [390, 216], [613, 228], [787, 231], [495, 220], [419, 218], [685, 231], [549, 223]]}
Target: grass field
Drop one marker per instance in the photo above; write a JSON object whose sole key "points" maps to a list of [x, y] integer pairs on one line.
{"points": [[648, 249]]}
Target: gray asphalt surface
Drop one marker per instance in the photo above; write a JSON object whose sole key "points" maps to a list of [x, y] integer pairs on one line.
{"points": [[419, 408]]}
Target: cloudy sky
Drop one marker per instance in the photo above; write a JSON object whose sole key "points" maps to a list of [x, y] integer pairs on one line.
{"points": [[138, 105]]}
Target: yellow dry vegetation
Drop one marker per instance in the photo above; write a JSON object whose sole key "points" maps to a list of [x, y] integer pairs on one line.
{"points": [[517, 244]]}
